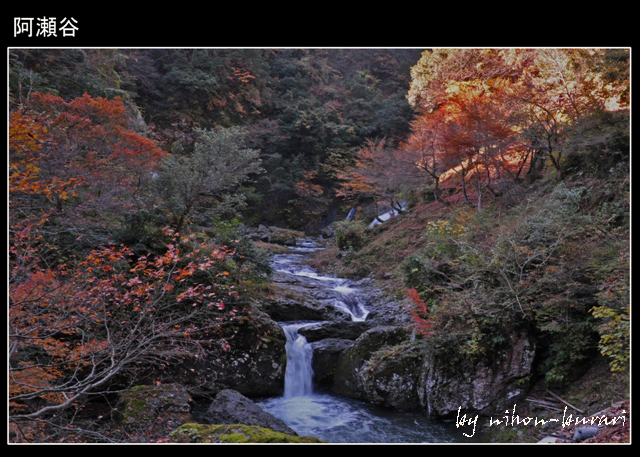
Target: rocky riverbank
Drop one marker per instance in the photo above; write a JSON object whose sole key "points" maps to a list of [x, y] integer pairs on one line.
{"points": [[377, 357], [381, 359]]}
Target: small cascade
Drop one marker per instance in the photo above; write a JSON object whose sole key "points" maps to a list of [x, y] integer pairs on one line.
{"points": [[388, 215], [349, 300], [332, 418], [352, 213], [298, 379]]}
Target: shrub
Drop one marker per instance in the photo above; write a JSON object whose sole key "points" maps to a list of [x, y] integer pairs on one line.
{"points": [[350, 235]]}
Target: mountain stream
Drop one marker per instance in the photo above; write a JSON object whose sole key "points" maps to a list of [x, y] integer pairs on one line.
{"points": [[329, 417]]}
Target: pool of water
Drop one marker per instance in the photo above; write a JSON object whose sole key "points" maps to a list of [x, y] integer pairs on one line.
{"points": [[335, 419]]}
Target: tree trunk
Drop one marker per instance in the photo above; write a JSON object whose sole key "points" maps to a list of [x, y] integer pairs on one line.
{"points": [[181, 221], [463, 183], [436, 191]]}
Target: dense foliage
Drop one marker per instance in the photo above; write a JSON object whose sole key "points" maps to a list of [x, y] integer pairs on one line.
{"points": [[517, 167], [303, 108], [131, 173]]}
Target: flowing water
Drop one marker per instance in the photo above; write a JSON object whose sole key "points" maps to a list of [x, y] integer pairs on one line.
{"points": [[298, 381], [332, 418]]}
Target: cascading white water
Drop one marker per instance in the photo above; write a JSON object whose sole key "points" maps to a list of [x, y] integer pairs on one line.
{"points": [[349, 300], [332, 418], [386, 216], [298, 379]]}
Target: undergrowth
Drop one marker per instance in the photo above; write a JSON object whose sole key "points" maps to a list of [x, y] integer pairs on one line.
{"points": [[550, 259]]}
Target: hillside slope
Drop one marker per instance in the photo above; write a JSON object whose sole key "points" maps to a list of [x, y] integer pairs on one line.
{"points": [[550, 258]]}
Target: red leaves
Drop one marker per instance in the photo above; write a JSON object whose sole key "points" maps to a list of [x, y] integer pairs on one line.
{"points": [[419, 313], [92, 311]]}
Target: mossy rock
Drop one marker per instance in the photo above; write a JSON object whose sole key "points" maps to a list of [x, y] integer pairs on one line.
{"points": [[347, 379], [282, 236], [237, 433], [151, 412], [142, 404]]}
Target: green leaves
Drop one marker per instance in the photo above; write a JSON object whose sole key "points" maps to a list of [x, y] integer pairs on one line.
{"points": [[208, 177], [614, 327]]}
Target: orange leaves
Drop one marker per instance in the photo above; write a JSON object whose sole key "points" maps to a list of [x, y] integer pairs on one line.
{"points": [[373, 165], [26, 133], [473, 132], [308, 188], [27, 137], [241, 74], [82, 149]]}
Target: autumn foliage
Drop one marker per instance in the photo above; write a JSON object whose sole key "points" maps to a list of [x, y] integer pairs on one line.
{"points": [[80, 156], [80, 319], [419, 312], [486, 117], [75, 328], [102, 293]]}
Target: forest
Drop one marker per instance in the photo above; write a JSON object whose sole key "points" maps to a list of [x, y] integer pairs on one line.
{"points": [[135, 175]]}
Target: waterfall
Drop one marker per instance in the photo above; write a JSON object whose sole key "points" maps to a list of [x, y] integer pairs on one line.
{"points": [[333, 418], [298, 380], [386, 216], [299, 373], [352, 213], [349, 300]]}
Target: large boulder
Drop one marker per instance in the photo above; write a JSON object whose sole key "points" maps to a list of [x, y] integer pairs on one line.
{"points": [[150, 413], [284, 308], [248, 355], [349, 330], [347, 380], [383, 310], [326, 354], [231, 407], [389, 369], [391, 375], [275, 235], [486, 386]]}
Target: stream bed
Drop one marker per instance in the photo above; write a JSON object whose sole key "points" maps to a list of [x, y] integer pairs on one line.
{"points": [[332, 418], [337, 419]]}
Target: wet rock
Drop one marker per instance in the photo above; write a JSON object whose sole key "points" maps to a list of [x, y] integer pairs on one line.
{"points": [[231, 407], [484, 387], [348, 380], [284, 309], [349, 330], [274, 235], [390, 377], [253, 363], [325, 359]]}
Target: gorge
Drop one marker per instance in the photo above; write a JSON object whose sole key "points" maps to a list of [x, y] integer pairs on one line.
{"points": [[308, 406], [346, 245]]}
